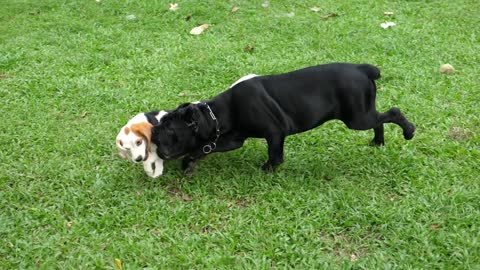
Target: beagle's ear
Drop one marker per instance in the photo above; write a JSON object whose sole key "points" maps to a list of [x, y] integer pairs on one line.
{"points": [[143, 129]]}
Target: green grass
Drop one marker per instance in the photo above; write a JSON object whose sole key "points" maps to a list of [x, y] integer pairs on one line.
{"points": [[73, 72]]}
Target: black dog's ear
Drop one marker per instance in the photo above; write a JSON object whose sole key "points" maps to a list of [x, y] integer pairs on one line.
{"points": [[184, 105], [191, 116]]}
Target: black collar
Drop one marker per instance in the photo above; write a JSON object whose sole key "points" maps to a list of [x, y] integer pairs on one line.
{"points": [[209, 147]]}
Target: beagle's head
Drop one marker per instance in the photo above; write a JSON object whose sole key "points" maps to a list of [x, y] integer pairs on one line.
{"points": [[134, 139]]}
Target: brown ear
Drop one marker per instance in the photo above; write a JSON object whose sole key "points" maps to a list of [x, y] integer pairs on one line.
{"points": [[143, 129]]}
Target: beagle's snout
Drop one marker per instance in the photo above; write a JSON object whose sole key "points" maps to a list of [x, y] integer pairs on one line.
{"points": [[138, 159]]}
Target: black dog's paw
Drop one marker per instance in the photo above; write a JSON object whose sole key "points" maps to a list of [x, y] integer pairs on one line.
{"points": [[270, 166], [187, 165], [376, 143], [267, 167], [409, 131]]}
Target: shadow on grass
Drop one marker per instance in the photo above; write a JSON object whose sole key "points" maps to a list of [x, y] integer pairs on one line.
{"points": [[237, 174]]}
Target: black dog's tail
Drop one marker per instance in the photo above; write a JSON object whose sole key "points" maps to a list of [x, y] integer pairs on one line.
{"points": [[372, 72]]}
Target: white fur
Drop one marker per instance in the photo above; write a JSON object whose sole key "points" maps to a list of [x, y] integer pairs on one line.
{"points": [[244, 78], [130, 150]]}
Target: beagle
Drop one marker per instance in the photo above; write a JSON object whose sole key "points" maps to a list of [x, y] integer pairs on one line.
{"points": [[134, 142]]}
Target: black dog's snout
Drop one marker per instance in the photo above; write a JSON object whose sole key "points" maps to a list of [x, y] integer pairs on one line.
{"points": [[138, 159]]}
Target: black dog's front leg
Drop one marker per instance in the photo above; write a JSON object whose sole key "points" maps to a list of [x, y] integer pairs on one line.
{"points": [[224, 144], [275, 153]]}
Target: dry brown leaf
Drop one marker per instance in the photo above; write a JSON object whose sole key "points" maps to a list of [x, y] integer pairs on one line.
{"points": [[229, 205], [386, 25], [5, 76], [186, 197], [353, 257], [329, 15], [173, 6], [447, 69], [199, 29], [69, 224], [248, 48], [83, 114], [234, 9], [435, 226], [118, 263]]}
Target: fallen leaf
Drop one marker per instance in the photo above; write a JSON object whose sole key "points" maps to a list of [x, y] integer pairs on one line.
{"points": [[234, 9], [131, 17], [5, 76], [118, 263], [290, 14], [199, 29], [329, 15], [386, 25], [104, 247], [186, 197], [315, 9], [173, 6], [69, 224], [353, 257], [435, 226], [229, 205], [266, 4], [83, 114], [248, 48], [388, 13], [447, 69], [207, 229]]}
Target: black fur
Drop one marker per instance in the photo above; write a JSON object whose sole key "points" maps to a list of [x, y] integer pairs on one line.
{"points": [[275, 106]]}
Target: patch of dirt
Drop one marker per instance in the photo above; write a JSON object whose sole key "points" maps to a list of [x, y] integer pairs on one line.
{"points": [[459, 134], [176, 192]]}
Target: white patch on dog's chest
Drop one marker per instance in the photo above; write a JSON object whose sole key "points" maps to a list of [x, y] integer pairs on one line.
{"points": [[244, 78]]}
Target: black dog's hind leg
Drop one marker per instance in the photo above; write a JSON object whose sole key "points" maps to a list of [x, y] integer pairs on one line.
{"points": [[376, 120], [275, 153], [224, 144], [395, 116]]}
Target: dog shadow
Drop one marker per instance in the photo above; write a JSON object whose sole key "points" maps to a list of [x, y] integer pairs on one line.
{"points": [[237, 174]]}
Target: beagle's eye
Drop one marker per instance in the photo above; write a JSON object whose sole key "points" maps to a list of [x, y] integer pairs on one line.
{"points": [[138, 142]]}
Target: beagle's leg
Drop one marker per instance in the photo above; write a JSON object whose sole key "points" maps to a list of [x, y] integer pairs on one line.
{"points": [[153, 166]]}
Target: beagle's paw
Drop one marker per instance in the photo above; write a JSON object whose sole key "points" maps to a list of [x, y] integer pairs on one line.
{"points": [[153, 168]]}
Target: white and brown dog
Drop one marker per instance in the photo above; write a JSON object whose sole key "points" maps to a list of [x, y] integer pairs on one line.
{"points": [[134, 142]]}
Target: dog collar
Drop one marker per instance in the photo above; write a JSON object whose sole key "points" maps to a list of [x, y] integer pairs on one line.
{"points": [[209, 147]]}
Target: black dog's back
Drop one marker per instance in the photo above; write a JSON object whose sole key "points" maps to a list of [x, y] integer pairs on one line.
{"points": [[300, 100]]}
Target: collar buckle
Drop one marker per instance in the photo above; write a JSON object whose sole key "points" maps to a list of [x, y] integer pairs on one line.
{"points": [[208, 148]]}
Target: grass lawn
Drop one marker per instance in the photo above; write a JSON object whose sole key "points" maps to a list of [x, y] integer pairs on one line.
{"points": [[73, 72]]}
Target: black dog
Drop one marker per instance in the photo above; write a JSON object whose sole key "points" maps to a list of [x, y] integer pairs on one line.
{"points": [[273, 107]]}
